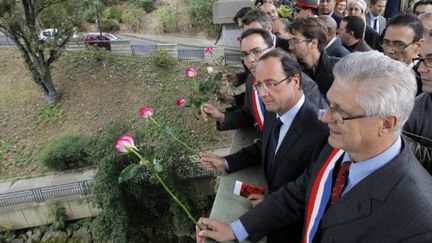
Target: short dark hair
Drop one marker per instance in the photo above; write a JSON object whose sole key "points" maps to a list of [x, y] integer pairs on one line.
{"points": [[263, 33], [241, 13], [355, 24], [257, 16], [421, 2], [311, 28], [373, 2], [410, 21], [289, 63]]}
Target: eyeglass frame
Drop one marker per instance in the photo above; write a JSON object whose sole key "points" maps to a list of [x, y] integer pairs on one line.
{"points": [[420, 59], [294, 41], [334, 111], [255, 52], [393, 45], [270, 86]]}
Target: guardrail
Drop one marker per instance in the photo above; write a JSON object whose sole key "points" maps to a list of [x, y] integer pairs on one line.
{"points": [[42, 194]]}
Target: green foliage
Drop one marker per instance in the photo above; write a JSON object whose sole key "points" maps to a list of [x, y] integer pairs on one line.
{"points": [[147, 5], [65, 152], [162, 59], [204, 89], [48, 114], [167, 17], [6, 236], [139, 210], [65, 14], [201, 12], [57, 215], [114, 13], [133, 17], [98, 54], [109, 25], [285, 12]]}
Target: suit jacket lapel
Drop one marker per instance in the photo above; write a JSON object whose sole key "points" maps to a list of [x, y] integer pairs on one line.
{"points": [[356, 203], [295, 130]]}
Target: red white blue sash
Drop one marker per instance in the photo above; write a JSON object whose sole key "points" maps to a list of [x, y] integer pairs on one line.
{"points": [[320, 195], [258, 106]]}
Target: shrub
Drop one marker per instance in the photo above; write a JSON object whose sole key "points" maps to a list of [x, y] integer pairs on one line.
{"points": [[133, 16], [114, 13], [167, 18], [147, 5], [65, 152], [109, 25], [201, 12], [57, 215], [162, 59]]}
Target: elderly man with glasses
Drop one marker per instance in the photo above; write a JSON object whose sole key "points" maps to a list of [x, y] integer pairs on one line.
{"points": [[402, 41], [291, 134], [366, 184]]}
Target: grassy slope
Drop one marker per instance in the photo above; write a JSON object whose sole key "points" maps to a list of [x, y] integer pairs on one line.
{"points": [[93, 94]]}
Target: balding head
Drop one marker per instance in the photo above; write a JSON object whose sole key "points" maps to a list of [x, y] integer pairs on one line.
{"points": [[330, 24], [270, 10]]}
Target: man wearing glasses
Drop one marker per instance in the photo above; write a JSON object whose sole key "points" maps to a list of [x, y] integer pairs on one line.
{"points": [[292, 131], [308, 39], [366, 185], [419, 125], [402, 41]]}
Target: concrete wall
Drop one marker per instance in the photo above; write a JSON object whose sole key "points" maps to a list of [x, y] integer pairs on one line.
{"points": [[35, 214]]}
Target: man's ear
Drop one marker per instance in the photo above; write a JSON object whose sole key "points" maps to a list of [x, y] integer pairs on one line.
{"points": [[388, 125]]}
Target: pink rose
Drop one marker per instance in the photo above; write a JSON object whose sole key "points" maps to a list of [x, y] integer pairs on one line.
{"points": [[181, 102], [209, 50], [146, 112], [191, 72], [239, 39], [124, 144]]}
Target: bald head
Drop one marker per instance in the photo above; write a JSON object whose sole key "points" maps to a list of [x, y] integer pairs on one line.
{"points": [[330, 24]]}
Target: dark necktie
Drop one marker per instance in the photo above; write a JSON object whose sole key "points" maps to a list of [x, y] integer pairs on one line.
{"points": [[273, 141], [340, 181], [375, 25]]}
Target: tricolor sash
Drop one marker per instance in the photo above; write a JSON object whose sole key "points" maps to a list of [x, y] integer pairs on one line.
{"points": [[320, 195], [258, 106]]}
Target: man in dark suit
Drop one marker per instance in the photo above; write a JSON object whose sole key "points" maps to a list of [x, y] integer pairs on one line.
{"points": [[251, 113], [402, 40], [351, 32], [334, 45], [374, 17], [278, 78], [326, 7], [366, 185]]}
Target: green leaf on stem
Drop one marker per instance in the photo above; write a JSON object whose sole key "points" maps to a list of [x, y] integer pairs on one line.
{"points": [[168, 131], [128, 173], [157, 166], [218, 76]]}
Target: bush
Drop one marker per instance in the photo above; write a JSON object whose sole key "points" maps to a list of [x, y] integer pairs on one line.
{"points": [[109, 25], [133, 16], [201, 12], [65, 152], [147, 5], [162, 59], [167, 18], [57, 215], [114, 13]]}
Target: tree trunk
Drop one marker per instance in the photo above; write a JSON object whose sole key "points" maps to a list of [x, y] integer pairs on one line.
{"points": [[47, 85]]}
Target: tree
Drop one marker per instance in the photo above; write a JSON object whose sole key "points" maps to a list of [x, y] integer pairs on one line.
{"points": [[21, 20]]}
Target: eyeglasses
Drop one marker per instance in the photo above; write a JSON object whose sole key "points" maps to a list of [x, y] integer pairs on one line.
{"points": [[399, 45], [256, 52], [269, 85], [293, 41], [337, 115], [426, 61]]}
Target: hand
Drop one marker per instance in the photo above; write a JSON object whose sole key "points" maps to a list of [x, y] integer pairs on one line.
{"points": [[225, 98], [210, 112], [215, 230], [229, 76], [255, 199], [212, 162]]}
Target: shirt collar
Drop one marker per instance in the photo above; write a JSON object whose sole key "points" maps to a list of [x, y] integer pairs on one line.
{"points": [[361, 169], [288, 117], [331, 42]]}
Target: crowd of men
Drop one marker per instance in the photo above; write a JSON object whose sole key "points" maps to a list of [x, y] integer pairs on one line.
{"points": [[341, 99]]}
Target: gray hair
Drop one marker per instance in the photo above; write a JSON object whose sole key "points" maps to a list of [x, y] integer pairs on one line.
{"points": [[386, 87]]}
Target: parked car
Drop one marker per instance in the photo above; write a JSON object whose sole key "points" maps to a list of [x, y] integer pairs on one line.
{"points": [[49, 34], [100, 39]]}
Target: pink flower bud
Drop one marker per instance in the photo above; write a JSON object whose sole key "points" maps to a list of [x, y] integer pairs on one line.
{"points": [[145, 112], [209, 50], [239, 39], [181, 102], [124, 143], [191, 72]]}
